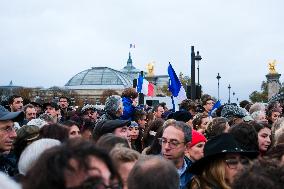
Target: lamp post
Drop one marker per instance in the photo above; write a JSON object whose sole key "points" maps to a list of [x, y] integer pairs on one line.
{"points": [[229, 87], [218, 78], [198, 58], [233, 95], [192, 85]]}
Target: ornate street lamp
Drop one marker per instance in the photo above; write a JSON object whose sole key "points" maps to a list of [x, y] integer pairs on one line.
{"points": [[218, 78], [198, 58], [229, 87]]}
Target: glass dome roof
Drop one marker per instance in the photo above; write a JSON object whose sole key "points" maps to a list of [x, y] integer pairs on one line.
{"points": [[103, 76]]}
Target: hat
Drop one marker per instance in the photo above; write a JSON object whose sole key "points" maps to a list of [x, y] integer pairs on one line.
{"points": [[38, 122], [28, 133], [112, 103], [184, 116], [196, 138], [219, 145], [230, 110], [88, 107], [52, 104], [133, 124], [14, 116], [108, 126]]}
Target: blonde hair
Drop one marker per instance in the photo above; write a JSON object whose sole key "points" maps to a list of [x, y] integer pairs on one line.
{"points": [[213, 175], [120, 155]]}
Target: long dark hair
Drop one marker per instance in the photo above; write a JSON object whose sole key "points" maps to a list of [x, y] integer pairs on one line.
{"points": [[48, 172]]}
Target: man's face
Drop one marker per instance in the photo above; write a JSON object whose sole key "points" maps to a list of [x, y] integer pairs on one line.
{"points": [[173, 144], [17, 105], [142, 122], [63, 103], [7, 135], [120, 110], [209, 105], [121, 132], [51, 111], [159, 112], [91, 114], [30, 113]]}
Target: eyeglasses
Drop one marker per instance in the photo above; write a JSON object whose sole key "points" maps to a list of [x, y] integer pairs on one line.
{"points": [[96, 183], [8, 129], [172, 143], [131, 128], [233, 162]]}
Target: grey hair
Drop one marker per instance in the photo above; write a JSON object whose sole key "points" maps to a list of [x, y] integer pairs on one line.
{"points": [[181, 126], [257, 107], [33, 152], [256, 114]]}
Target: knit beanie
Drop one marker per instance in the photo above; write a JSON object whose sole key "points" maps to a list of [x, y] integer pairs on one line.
{"points": [[196, 138], [112, 103]]}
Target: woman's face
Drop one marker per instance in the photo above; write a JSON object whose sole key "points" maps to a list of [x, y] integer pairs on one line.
{"points": [[262, 117], [196, 152], [203, 126], [133, 132], [275, 116], [264, 139], [97, 168], [74, 132], [234, 163]]}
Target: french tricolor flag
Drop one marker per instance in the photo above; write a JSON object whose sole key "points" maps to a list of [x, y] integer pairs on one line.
{"points": [[175, 85], [145, 87]]}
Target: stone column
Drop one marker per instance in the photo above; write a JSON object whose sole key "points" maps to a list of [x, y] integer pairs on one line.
{"points": [[273, 84]]}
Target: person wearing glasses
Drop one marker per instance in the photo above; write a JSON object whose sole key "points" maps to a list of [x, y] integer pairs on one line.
{"points": [[175, 141], [223, 159], [207, 103], [7, 137]]}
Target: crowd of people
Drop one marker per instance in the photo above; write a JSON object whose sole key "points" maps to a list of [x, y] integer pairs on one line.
{"points": [[126, 145]]}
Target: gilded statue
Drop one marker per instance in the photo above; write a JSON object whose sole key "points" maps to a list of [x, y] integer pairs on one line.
{"points": [[271, 67], [150, 69]]}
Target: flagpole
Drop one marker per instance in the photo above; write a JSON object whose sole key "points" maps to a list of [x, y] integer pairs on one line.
{"points": [[173, 102], [193, 88], [141, 95]]}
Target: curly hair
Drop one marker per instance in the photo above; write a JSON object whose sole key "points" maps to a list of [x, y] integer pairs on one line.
{"points": [[197, 120], [130, 93]]}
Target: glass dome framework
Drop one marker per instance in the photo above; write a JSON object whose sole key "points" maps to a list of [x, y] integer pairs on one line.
{"points": [[101, 77]]}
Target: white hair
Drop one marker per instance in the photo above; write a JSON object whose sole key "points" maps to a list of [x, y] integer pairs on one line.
{"points": [[33, 152], [37, 122], [258, 106], [255, 115], [7, 183]]}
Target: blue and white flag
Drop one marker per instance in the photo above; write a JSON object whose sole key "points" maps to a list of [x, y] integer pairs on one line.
{"points": [[175, 85], [215, 106]]}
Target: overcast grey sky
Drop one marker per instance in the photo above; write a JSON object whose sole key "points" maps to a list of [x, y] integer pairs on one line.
{"points": [[46, 42]]}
